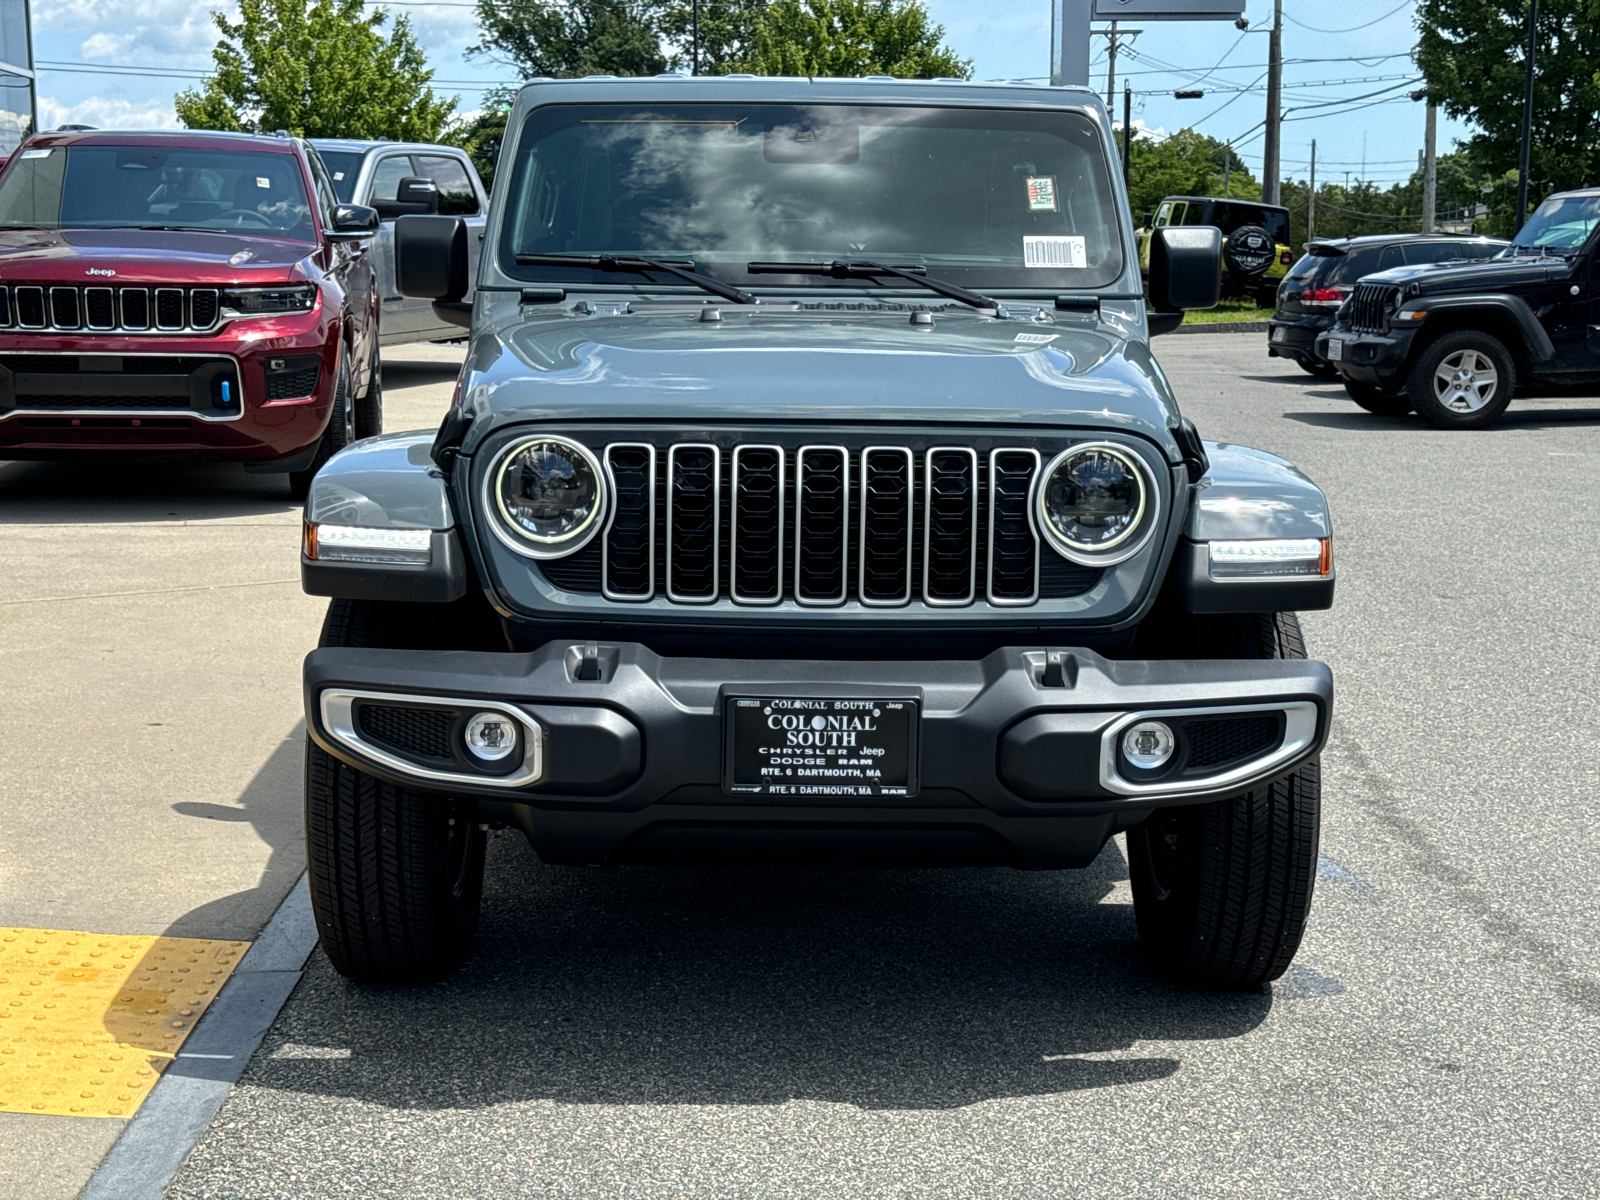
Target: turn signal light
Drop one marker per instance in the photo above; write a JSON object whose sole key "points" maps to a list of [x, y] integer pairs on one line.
{"points": [[352, 543], [1268, 558]]}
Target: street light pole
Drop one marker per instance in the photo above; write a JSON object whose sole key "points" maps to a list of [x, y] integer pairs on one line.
{"points": [[1269, 167], [1430, 169], [1527, 118], [1311, 197], [1127, 133]]}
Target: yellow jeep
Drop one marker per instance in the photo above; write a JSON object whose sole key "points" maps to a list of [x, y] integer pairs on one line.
{"points": [[1255, 241]]}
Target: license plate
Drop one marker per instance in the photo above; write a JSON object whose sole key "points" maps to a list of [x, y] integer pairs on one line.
{"points": [[802, 747], [1277, 334], [1335, 350]]}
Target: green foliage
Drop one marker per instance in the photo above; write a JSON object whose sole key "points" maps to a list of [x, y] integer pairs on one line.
{"points": [[564, 39], [481, 134], [1185, 163], [851, 37], [727, 32], [1472, 54], [317, 69]]}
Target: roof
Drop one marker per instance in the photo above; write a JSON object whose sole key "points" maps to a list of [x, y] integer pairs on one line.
{"points": [[1228, 200], [364, 145], [269, 143], [1386, 239]]}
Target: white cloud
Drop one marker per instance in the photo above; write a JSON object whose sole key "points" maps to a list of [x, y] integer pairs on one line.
{"points": [[154, 32], [107, 114]]}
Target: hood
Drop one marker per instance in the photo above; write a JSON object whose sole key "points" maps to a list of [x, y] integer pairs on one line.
{"points": [[1483, 275], [828, 362], [146, 256]]}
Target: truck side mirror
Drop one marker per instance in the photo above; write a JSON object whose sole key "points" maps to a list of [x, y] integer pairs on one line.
{"points": [[1185, 268], [430, 263], [417, 194], [1144, 221]]}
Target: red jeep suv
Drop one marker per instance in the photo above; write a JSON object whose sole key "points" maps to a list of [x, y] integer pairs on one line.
{"points": [[184, 295]]}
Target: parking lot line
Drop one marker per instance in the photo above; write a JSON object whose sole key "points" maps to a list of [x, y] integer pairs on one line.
{"points": [[89, 1021]]}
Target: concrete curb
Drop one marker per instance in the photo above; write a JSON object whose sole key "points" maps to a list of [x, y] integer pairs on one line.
{"points": [[1226, 327], [181, 1106]]}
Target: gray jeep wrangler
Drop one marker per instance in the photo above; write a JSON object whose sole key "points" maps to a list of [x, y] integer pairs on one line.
{"points": [[811, 496]]}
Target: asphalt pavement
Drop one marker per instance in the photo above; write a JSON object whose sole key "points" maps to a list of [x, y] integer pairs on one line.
{"points": [[653, 1033], [151, 631], [690, 1033]]}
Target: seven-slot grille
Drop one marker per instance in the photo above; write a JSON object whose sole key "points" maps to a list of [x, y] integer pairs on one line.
{"points": [[1367, 313], [56, 308], [820, 525]]}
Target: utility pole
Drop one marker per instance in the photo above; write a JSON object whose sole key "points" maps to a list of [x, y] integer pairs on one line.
{"points": [[694, 41], [1311, 197], [1227, 168], [1430, 169], [1269, 167], [1127, 134], [1115, 40], [1527, 118]]}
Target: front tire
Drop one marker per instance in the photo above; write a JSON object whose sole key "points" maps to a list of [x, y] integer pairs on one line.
{"points": [[1377, 402], [369, 409], [396, 875], [1464, 380], [1222, 891]]}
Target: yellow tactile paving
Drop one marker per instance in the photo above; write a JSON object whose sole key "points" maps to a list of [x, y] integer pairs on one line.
{"points": [[88, 1021]]}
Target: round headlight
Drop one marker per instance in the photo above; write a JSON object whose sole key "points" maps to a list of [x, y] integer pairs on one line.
{"points": [[549, 493], [1096, 503]]}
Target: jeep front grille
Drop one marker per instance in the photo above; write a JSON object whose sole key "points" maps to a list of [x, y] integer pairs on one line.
{"points": [[821, 525], [1367, 313], [32, 308]]}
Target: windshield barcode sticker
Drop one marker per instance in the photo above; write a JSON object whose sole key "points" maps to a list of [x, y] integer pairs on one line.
{"points": [[1065, 251]]}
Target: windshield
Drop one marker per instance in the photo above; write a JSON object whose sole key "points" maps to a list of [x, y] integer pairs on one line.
{"points": [[1228, 217], [119, 187], [344, 167], [985, 198], [1562, 223]]}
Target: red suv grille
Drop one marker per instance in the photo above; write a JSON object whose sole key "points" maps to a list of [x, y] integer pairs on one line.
{"points": [[54, 308]]}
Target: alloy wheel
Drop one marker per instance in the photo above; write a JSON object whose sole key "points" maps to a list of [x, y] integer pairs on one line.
{"points": [[1465, 381]]}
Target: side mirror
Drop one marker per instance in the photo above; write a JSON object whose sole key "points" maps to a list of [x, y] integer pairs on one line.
{"points": [[1185, 268], [1144, 221], [352, 223], [430, 263], [417, 194]]}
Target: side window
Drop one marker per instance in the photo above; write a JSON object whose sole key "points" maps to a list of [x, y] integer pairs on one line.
{"points": [[1164, 214], [1391, 258], [1437, 252], [327, 201], [386, 179], [456, 197]]}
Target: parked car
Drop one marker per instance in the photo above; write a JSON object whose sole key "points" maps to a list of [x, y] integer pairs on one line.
{"points": [[912, 562], [1456, 342], [184, 295], [399, 178], [1255, 240], [1323, 278]]}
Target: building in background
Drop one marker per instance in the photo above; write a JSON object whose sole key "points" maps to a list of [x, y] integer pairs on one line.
{"points": [[18, 107]]}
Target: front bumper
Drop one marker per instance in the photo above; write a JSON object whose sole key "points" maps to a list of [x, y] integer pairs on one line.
{"points": [[626, 751], [1378, 359], [96, 410]]}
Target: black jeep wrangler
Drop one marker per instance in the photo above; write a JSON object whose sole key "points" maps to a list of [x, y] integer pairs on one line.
{"points": [[1455, 342], [812, 496]]}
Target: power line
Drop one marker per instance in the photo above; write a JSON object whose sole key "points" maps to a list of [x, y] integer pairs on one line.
{"points": [[1353, 28]]}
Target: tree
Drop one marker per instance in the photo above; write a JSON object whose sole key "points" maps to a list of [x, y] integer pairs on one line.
{"points": [[851, 37], [481, 134], [568, 38], [317, 68], [1473, 56], [727, 32], [1185, 163]]}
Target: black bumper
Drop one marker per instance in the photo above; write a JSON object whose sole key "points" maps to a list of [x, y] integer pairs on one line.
{"points": [[1016, 759], [1379, 359], [1293, 336]]}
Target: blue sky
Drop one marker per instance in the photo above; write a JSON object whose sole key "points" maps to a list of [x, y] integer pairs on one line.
{"points": [[119, 51]]}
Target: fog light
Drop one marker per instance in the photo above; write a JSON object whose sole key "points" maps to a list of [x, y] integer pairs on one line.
{"points": [[491, 736], [1148, 745]]}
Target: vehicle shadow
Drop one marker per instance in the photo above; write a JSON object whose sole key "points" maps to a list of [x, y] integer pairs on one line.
{"points": [[879, 989], [79, 492], [1514, 418]]}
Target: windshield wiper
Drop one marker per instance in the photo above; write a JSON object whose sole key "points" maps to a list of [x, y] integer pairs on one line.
{"points": [[860, 268], [638, 264], [176, 228]]}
